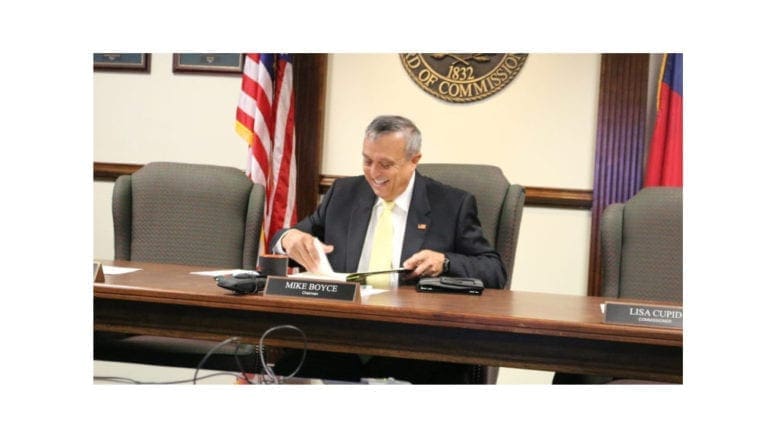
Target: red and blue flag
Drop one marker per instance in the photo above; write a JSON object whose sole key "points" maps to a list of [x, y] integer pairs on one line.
{"points": [[665, 159]]}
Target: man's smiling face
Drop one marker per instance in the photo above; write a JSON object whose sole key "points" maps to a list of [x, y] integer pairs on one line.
{"points": [[387, 169]]}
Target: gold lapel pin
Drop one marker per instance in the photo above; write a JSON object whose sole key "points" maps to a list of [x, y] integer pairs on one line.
{"points": [[422, 226]]}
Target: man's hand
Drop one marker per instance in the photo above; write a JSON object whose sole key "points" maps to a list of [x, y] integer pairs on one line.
{"points": [[425, 263], [301, 248]]}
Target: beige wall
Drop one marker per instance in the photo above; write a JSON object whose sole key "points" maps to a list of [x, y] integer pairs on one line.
{"points": [[540, 130]]}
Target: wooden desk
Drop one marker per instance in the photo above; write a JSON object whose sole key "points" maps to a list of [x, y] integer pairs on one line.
{"points": [[538, 331]]}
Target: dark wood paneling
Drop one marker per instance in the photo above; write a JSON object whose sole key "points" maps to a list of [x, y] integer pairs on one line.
{"points": [[620, 143], [310, 90]]}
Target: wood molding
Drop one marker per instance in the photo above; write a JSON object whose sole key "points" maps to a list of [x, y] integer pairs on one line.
{"points": [[310, 93], [535, 196], [110, 171], [326, 182], [558, 197]]}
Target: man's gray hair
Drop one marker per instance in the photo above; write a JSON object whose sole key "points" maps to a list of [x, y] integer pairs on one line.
{"points": [[394, 123]]}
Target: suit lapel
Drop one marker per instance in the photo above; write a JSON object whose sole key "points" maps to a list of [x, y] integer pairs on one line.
{"points": [[418, 219], [357, 226]]}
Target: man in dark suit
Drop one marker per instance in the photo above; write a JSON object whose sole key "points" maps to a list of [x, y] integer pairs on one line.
{"points": [[393, 216]]}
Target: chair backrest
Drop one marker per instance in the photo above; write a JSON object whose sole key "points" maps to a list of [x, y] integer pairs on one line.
{"points": [[187, 214], [500, 204], [642, 246]]}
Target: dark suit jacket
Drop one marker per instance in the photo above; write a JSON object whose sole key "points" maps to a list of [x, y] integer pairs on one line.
{"points": [[450, 215]]}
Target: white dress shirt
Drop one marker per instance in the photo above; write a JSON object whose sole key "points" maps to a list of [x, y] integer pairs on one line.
{"points": [[398, 221]]}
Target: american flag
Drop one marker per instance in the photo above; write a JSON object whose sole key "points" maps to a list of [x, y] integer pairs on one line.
{"points": [[265, 120]]}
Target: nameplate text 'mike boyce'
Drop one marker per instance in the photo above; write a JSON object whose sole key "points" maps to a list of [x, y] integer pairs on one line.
{"points": [[311, 288]]}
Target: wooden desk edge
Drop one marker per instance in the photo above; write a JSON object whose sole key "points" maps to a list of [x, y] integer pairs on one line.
{"points": [[314, 307]]}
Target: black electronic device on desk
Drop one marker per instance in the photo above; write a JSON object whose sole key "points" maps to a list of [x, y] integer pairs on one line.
{"points": [[446, 284], [243, 282]]}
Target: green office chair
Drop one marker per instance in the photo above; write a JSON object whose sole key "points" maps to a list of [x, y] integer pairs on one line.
{"points": [[642, 256], [642, 246], [500, 208], [178, 213]]}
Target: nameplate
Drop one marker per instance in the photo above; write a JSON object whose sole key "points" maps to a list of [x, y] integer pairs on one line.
{"points": [[658, 316], [310, 288], [97, 270]]}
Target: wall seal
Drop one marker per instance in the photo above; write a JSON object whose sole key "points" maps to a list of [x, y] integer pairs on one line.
{"points": [[462, 77]]}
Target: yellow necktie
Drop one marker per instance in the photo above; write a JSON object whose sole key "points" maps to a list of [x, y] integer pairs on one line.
{"points": [[382, 253]]}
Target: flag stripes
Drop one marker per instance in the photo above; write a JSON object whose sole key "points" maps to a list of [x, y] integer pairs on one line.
{"points": [[265, 120], [665, 160]]}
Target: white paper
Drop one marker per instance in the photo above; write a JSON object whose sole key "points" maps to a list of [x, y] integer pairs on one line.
{"points": [[215, 273], [113, 270], [324, 268], [327, 277], [325, 272], [369, 290]]}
